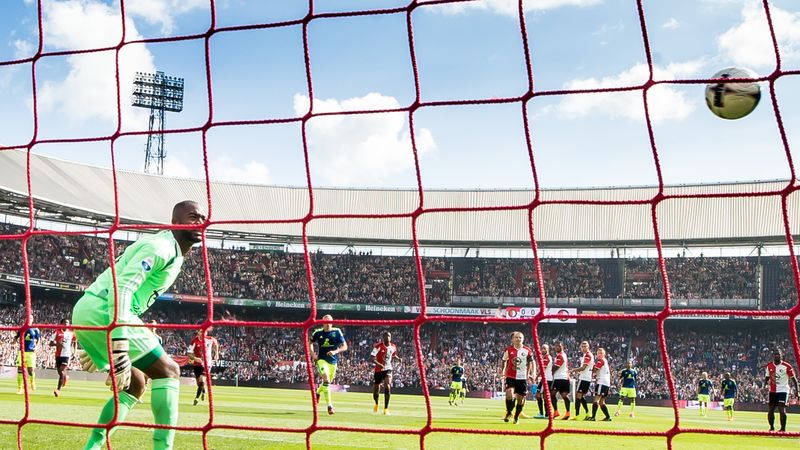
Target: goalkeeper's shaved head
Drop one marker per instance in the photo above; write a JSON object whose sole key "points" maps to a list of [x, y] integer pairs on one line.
{"points": [[188, 212], [181, 208]]}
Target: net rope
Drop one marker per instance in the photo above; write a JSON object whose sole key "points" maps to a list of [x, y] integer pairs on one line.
{"points": [[522, 99]]}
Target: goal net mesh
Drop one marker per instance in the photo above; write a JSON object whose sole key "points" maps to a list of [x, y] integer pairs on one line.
{"points": [[522, 99]]}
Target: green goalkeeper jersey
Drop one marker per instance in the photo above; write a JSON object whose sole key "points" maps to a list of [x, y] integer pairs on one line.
{"points": [[145, 270]]}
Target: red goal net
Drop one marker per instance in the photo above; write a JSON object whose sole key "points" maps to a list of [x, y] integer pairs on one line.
{"points": [[522, 99]]}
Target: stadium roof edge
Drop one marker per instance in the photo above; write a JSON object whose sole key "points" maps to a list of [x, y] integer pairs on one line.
{"points": [[77, 193], [366, 188]]}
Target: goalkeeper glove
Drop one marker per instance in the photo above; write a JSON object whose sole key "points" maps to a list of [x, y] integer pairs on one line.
{"points": [[122, 364], [86, 362]]}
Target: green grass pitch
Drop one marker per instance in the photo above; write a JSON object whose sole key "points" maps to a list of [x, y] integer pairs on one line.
{"points": [[81, 401]]}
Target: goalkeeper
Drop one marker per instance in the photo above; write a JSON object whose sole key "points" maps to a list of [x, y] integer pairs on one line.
{"points": [[146, 269]]}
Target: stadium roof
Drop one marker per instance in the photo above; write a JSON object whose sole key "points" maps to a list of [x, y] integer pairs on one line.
{"points": [[83, 194]]}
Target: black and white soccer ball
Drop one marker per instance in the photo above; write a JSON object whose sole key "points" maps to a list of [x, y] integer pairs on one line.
{"points": [[733, 100]]}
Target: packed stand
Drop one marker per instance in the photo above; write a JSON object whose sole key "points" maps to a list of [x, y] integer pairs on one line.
{"points": [[693, 278], [780, 291], [357, 277], [504, 277]]}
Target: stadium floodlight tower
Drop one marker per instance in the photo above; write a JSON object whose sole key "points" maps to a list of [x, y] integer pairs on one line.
{"points": [[159, 93]]}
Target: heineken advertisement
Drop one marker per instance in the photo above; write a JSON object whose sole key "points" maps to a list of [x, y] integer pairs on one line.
{"points": [[19, 279], [281, 304], [507, 312], [267, 247]]}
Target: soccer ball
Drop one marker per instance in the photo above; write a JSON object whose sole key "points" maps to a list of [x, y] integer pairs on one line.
{"points": [[733, 100]]}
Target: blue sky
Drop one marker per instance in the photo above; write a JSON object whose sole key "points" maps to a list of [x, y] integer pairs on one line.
{"points": [[464, 51]]}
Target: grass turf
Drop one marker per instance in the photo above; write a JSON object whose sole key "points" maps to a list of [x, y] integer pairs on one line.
{"points": [[81, 401]]}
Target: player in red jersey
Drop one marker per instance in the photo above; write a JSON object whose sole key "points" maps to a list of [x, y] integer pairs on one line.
{"points": [[602, 385], [65, 345], [779, 375], [383, 354], [560, 380], [199, 354], [517, 366], [545, 376], [584, 373]]}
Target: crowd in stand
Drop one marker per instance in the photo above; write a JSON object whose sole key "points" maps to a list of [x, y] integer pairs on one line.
{"points": [[693, 278], [780, 291], [266, 355], [392, 280], [517, 278]]}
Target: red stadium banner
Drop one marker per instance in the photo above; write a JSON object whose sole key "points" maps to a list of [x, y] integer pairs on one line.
{"points": [[181, 360], [640, 276], [438, 274]]}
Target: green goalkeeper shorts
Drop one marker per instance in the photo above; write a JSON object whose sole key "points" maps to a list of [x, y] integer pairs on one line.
{"points": [[627, 392], [326, 368], [94, 311], [30, 360]]}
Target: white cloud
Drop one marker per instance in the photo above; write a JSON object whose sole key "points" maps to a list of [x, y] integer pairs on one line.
{"points": [[363, 149], [749, 43], [174, 167], [162, 12], [606, 29], [23, 49], [222, 168], [81, 24], [671, 24], [665, 102], [720, 2], [511, 7], [88, 90], [251, 172], [5, 78]]}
